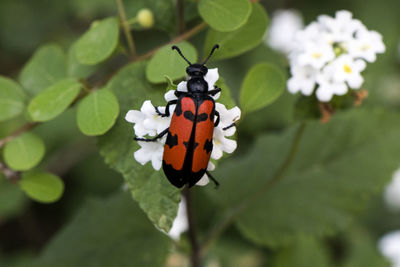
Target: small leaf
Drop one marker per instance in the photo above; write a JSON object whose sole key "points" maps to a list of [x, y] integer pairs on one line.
{"points": [[24, 152], [97, 112], [47, 66], [54, 100], [12, 99], [99, 42], [241, 40], [167, 62], [42, 187], [263, 84], [76, 69], [225, 15]]}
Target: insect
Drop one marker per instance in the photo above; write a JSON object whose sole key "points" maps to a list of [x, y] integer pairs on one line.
{"points": [[189, 143]]}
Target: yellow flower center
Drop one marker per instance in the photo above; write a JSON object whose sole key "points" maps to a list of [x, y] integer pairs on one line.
{"points": [[347, 68], [316, 55]]}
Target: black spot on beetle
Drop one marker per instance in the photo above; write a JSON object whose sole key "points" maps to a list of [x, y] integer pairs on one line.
{"points": [[202, 117], [208, 146], [172, 140], [186, 144], [189, 115]]}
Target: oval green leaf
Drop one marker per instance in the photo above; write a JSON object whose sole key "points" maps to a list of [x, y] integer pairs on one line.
{"points": [[24, 152], [97, 112], [54, 100], [241, 40], [42, 187], [263, 84], [76, 69], [47, 66], [99, 42], [12, 99], [225, 15], [167, 62]]}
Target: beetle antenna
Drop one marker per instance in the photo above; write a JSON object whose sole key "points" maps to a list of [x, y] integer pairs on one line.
{"points": [[212, 51], [174, 47]]}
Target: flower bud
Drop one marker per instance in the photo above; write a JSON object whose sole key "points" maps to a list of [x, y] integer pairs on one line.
{"points": [[145, 18]]}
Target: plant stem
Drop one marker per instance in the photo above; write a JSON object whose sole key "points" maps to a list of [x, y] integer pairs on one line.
{"points": [[180, 16], [11, 175], [24, 128], [195, 253], [232, 213], [125, 27]]}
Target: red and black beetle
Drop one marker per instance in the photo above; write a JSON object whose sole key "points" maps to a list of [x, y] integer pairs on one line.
{"points": [[189, 142]]}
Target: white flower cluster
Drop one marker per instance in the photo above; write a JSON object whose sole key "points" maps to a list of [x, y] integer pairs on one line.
{"points": [[389, 245], [391, 194], [285, 23], [330, 54], [149, 123]]}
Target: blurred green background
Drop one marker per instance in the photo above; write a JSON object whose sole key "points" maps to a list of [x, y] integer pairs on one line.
{"points": [[27, 227]]}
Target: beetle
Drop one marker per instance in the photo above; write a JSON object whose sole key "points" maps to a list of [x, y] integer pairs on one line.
{"points": [[188, 145]]}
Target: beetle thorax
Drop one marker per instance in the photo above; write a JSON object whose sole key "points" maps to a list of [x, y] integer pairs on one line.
{"points": [[197, 85]]}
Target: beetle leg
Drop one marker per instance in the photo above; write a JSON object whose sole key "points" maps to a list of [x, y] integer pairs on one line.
{"points": [[217, 121], [179, 93], [215, 91], [229, 126], [154, 138], [167, 113], [212, 179]]}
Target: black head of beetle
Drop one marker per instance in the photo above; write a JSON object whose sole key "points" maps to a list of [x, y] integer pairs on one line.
{"points": [[196, 72]]}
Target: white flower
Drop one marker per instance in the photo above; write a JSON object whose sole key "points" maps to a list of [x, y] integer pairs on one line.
{"points": [[180, 224], [366, 45], [391, 194], [148, 122], [328, 56], [283, 27], [389, 245]]}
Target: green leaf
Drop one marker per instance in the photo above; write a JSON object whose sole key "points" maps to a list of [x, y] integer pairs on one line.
{"points": [[24, 152], [12, 200], [241, 40], [304, 252], [150, 188], [226, 95], [54, 100], [76, 69], [337, 168], [12, 99], [362, 250], [263, 84], [98, 43], [42, 187], [167, 62], [104, 233], [225, 15], [46, 66], [97, 112]]}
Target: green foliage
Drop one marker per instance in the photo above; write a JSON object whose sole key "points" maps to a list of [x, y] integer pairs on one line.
{"points": [[157, 68], [46, 67], [225, 15], [110, 232], [97, 112], [304, 252], [98, 43], [42, 187], [54, 100], [12, 200], [24, 152], [76, 69], [155, 195], [241, 40], [307, 194], [263, 84], [12, 99]]}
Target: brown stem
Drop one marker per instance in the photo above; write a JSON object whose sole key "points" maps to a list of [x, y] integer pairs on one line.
{"points": [[24, 128], [195, 254], [127, 30], [180, 16], [11, 175]]}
